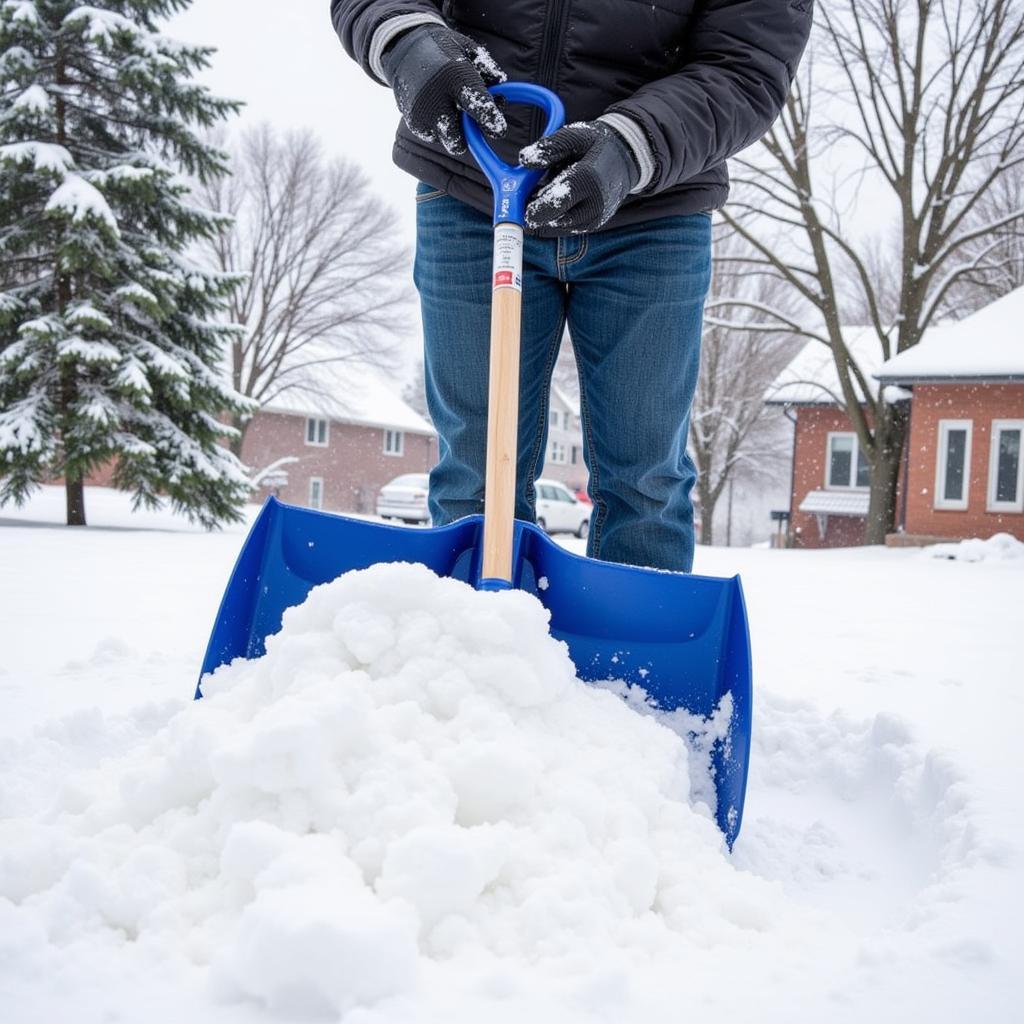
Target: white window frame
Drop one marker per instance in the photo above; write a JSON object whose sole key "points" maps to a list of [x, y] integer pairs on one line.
{"points": [[316, 480], [396, 450], [559, 454], [829, 486], [327, 431], [993, 468], [942, 503]]}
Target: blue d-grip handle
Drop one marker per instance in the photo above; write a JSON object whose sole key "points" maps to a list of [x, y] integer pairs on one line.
{"points": [[512, 185]]}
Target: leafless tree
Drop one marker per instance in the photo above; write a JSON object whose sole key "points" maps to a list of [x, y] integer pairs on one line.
{"points": [[731, 434], [415, 392], [926, 98], [1003, 266], [880, 254], [325, 272]]}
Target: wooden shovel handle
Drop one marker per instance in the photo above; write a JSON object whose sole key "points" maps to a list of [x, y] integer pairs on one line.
{"points": [[503, 405]]}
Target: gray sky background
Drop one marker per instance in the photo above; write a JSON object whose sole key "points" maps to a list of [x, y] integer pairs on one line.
{"points": [[283, 59]]}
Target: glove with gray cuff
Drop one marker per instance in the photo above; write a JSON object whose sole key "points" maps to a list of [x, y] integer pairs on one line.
{"points": [[437, 73], [595, 168]]}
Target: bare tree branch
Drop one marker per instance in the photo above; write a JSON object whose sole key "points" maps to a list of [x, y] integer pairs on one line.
{"points": [[740, 358], [325, 277], [930, 95]]}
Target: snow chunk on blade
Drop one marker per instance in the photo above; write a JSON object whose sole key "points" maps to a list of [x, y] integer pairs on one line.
{"points": [[412, 780]]}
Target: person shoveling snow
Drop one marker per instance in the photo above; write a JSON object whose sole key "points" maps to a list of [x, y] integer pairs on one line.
{"points": [[618, 234]]}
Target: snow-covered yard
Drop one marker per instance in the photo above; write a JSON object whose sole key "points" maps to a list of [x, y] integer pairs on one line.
{"points": [[410, 812]]}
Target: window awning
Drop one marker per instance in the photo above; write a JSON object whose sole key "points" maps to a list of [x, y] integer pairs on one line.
{"points": [[836, 503]]}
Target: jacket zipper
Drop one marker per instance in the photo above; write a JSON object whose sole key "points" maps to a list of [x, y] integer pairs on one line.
{"points": [[556, 17]]}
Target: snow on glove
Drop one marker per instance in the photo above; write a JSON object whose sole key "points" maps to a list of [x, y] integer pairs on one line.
{"points": [[436, 73], [595, 170]]}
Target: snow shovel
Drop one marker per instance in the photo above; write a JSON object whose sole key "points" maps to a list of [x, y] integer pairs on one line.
{"points": [[682, 638]]}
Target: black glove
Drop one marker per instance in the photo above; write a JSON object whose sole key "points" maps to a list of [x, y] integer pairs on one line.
{"points": [[436, 73], [595, 170]]}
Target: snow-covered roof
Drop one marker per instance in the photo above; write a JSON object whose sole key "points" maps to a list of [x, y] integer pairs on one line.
{"points": [[811, 377], [836, 503], [987, 345], [360, 396]]}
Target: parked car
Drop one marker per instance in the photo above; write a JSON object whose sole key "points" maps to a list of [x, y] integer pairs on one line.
{"points": [[581, 495], [560, 511], [405, 498]]}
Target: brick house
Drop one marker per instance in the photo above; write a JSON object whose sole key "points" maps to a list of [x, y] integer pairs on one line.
{"points": [[964, 470], [564, 456], [336, 452], [829, 489], [963, 475]]}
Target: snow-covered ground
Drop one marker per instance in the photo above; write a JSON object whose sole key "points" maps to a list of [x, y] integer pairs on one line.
{"points": [[410, 811]]}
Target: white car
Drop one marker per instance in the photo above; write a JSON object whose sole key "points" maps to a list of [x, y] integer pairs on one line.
{"points": [[560, 511], [405, 498]]}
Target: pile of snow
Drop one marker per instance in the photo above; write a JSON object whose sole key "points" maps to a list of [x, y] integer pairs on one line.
{"points": [[412, 779], [999, 547]]}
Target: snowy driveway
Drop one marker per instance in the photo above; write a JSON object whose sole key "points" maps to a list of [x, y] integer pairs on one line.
{"points": [[877, 877]]}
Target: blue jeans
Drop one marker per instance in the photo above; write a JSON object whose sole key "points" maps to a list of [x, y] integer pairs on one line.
{"points": [[633, 299]]}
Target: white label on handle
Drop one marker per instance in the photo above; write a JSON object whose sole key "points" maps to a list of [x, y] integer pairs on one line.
{"points": [[508, 256]]}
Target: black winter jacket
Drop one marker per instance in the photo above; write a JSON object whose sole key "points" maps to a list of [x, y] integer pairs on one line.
{"points": [[702, 78]]}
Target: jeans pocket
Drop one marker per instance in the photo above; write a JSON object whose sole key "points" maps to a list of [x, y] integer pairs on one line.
{"points": [[426, 193]]}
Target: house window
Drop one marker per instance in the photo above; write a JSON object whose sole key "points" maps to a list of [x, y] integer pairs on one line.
{"points": [[575, 457], [847, 466], [316, 492], [316, 432], [553, 418], [559, 454], [394, 442], [1006, 468], [952, 472]]}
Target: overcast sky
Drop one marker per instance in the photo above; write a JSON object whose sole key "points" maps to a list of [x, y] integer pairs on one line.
{"points": [[283, 59]]}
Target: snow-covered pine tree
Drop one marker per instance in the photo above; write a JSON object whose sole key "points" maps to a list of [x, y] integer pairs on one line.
{"points": [[111, 334]]}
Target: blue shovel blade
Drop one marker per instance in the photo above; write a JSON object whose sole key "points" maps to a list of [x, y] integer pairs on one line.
{"points": [[683, 638]]}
